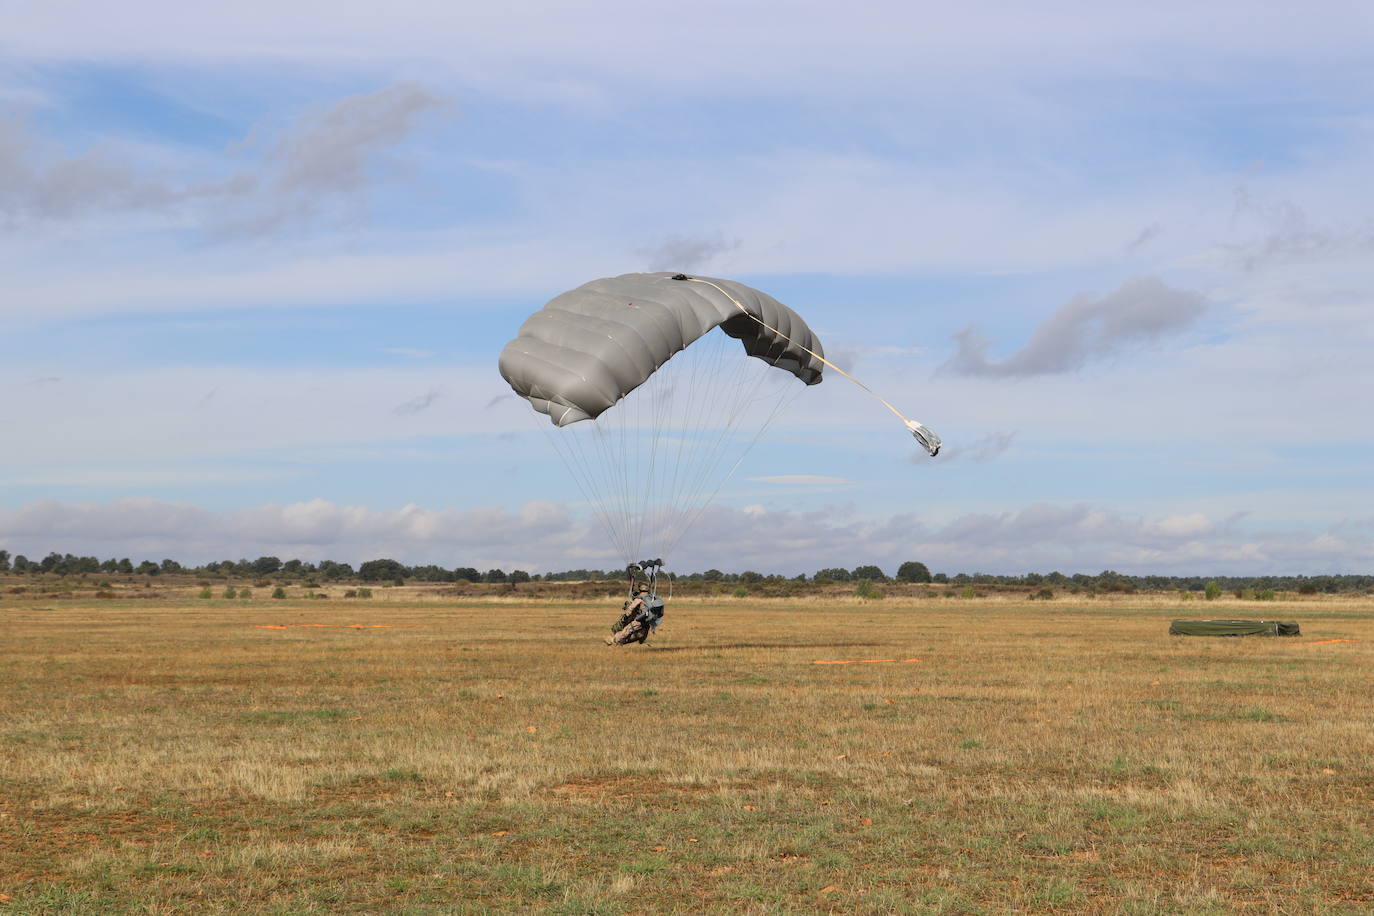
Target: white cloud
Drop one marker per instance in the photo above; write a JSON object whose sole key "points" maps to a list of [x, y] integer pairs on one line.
{"points": [[544, 536]]}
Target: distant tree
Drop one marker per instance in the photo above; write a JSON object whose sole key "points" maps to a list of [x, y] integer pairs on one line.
{"points": [[266, 566], [380, 570], [1213, 591], [148, 568], [50, 562], [871, 573], [468, 573], [519, 575], [291, 567], [331, 570], [1032, 578], [940, 578], [126, 566], [749, 577], [4, 561], [22, 564], [1057, 578], [912, 571], [170, 566], [494, 575], [837, 574], [712, 575]]}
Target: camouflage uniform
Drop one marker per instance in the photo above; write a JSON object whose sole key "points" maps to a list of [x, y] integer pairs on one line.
{"points": [[633, 608]]}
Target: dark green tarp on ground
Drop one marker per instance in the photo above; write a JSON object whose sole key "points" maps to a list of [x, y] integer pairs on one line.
{"points": [[1233, 628]]}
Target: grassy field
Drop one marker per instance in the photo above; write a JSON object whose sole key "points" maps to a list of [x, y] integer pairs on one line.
{"points": [[175, 756]]}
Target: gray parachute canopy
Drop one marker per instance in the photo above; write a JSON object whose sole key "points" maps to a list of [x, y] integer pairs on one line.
{"points": [[591, 346]]}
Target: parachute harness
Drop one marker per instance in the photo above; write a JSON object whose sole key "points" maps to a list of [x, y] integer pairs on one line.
{"points": [[923, 434]]}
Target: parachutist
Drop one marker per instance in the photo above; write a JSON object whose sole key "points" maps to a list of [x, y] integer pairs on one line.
{"points": [[641, 617]]}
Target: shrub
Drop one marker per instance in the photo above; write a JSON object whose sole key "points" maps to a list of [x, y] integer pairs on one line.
{"points": [[104, 593], [230, 592], [351, 593], [1212, 592], [867, 592], [1307, 588], [1185, 595], [1044, 594], [245, 593], [205, 593], [1266, 595], [967, 592], [278, 592], [741, 592], [364, 593]]}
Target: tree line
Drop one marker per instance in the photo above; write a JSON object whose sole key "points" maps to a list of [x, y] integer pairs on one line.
{"points": [[912, 571]]}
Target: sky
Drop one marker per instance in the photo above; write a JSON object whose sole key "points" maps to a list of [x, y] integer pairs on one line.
{"points": [[259, 260]]}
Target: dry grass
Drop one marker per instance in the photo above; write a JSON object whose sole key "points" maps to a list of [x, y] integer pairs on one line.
{"points": [[494, 757]]}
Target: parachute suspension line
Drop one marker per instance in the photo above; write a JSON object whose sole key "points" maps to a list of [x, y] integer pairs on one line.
{"points": [[696, 363], [706, 446], [923, 434], [694, 504], [709, 447], [585, 482], [701, 508]]}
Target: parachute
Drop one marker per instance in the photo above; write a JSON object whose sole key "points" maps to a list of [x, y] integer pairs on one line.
{"points": [[650, 401], [588, 348]]}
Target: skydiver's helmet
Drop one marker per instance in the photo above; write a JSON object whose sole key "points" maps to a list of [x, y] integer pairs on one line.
{"points": [[643, 589]]}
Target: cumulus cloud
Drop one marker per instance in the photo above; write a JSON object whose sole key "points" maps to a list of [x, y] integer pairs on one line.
{"points": [[685, 253], [1088, 328], [543, 535], [320, 165], [311, 530]]}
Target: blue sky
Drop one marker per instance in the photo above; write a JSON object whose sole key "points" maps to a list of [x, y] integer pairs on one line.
{"points": [[260, 262]]}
